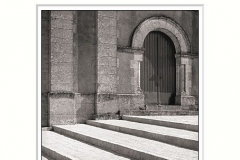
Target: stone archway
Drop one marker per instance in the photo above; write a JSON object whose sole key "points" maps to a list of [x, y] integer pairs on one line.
{"points": [[183, 53]]}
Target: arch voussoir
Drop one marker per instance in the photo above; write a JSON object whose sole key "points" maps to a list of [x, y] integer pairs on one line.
{"points": [[166, 25]]}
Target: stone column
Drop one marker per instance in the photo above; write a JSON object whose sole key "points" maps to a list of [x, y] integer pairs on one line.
{"points": [[106, 84], [135, 64], [62, 70], [184, 80]]}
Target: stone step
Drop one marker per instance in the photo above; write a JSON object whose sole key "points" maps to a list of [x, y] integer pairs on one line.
{"points": [[159, 112], [125, 144], [163, 107], [178, 137], [171, 107], [60, 147], [180, 122]]}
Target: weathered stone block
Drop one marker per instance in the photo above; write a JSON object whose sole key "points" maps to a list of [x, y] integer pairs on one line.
{"points": [[62, 73], [107, 61], [187, 100], [55, 119], [63, 105], [138, 57], [66, 34], [62, 23], [106, 103], [62, 58], [110, 21], [87, 98], [134, 64], [107, 13], [107, 78], [107, 107], [62, 14], [107, 50], [61, 40], [57, 48], [61, 86], [106, 88], [124, 102], [107, 38], [107, 70]]}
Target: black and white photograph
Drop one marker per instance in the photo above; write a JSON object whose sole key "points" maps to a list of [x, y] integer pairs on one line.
{"points": [[120, 84], [91, 80]]}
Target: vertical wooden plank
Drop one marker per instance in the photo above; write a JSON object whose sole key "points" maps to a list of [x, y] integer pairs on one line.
{"points": [[164, 61]]}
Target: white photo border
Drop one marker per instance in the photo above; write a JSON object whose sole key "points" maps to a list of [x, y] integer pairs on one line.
{"points": [[199, 7]]}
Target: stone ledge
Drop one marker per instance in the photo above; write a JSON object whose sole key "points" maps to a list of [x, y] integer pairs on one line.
{"points": [[130, 49], [186, 55], [47, 128], [106, 116], [61, 94]]}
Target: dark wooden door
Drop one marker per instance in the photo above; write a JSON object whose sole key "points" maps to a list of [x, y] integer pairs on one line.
{"points": [[158, 69]]}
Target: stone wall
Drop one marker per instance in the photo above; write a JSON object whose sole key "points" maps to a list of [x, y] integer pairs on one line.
{"points": [[44, 66], [127, 21], [124, 73], [62, 73], [87, 47]]}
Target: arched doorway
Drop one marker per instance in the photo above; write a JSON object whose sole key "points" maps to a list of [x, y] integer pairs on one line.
{"points": [[158, 69], [183, 55]]}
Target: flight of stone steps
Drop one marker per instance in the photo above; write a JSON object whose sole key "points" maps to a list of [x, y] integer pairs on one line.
{"points": [[133, 137]]}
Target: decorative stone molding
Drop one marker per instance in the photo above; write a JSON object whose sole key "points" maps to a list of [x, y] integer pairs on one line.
{"points": [[61, 94], [165, 25], [186, 55], [130, 49]]}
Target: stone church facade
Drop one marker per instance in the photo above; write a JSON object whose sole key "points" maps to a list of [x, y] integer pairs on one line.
{"points": [[99, 64]]}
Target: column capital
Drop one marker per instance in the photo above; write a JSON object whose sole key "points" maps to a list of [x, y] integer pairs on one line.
{"points": [[186, 55], [130, 50]]}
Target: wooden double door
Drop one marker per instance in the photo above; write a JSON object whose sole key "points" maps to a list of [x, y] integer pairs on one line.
{"points": [[158, 69]]}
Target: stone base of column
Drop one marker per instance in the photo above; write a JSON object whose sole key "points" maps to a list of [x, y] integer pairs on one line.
{"points": [[185, 100], [61, 109], [110, 106], [70, 108]]}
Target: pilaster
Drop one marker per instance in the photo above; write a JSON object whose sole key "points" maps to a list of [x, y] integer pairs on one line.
{"points": [[184, 80], [62, 71]]}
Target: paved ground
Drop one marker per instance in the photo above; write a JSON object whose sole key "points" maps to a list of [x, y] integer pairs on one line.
{"points": [[156, 148], [193, 120]]}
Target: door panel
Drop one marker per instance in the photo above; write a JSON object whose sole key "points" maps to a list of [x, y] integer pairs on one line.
{"points": [[158, 69]]}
